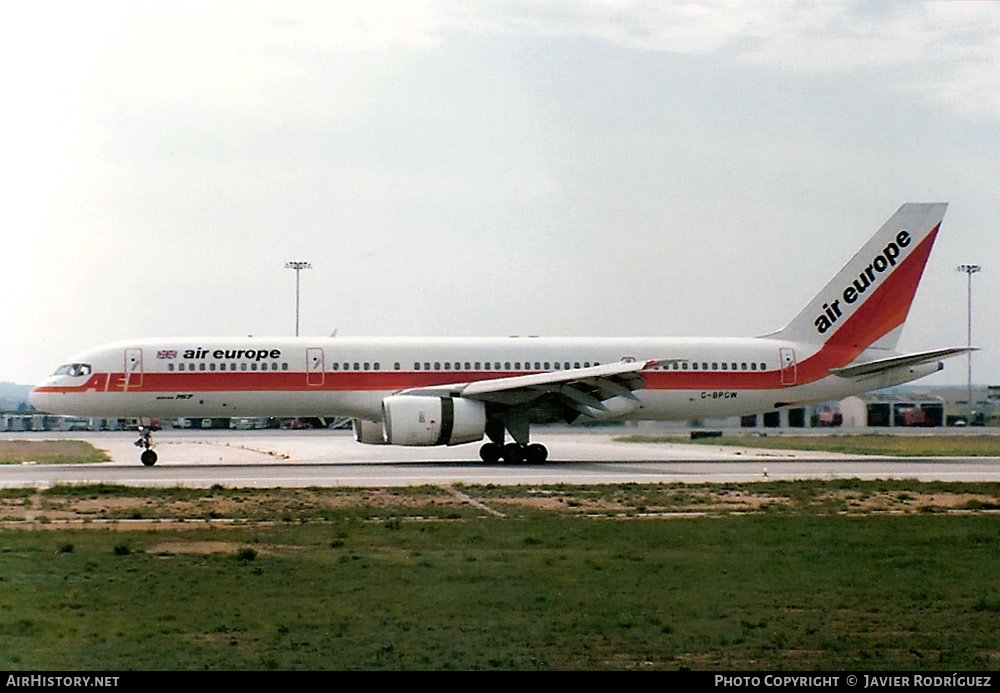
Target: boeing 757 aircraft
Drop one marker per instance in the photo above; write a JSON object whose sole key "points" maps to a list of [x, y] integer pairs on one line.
{"points": [[450, 391]]}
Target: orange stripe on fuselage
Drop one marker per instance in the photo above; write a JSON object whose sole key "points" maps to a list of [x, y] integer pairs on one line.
{"points": [[392, 381]]}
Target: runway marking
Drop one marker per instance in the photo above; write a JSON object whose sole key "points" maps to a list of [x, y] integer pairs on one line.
{"points": [[471, 501]]}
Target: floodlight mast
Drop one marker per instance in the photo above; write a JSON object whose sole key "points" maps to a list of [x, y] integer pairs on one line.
{"points": [[969, 271], [297, 266]]}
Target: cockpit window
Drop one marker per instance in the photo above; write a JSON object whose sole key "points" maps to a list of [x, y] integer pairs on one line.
{"points": [[75, 370]]}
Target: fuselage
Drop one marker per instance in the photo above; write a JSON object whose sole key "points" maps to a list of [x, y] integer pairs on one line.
{"points": [[350, 377], [422, 391]]}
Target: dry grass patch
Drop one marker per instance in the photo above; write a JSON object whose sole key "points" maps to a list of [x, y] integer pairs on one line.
{"points": [[50, 452]]}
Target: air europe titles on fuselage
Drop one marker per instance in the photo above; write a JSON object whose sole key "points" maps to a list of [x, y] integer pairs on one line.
{"points": [[832, 312], [232, 354]]}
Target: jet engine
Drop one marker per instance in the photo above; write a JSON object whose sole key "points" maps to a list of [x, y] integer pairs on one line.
{"points": [[431, 420]]}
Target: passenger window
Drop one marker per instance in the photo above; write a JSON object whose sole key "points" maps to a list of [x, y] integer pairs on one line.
{"points": [[395, 366], [467, 366]]}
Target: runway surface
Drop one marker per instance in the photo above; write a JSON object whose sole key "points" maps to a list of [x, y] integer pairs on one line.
{"points": [[261, 459]]}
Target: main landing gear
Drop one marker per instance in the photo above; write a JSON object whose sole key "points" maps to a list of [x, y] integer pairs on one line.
{"points": [[517, 452], [145, 441], [513, 453]]}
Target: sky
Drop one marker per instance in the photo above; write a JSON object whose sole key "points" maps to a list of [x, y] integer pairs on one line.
{"points": [[551, 167]]}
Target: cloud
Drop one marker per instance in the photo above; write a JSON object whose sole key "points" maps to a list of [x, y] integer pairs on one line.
{"points": [[956, 45], [235, 52]]}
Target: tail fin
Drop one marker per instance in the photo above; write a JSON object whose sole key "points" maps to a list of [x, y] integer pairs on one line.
{"points": [[867, 302]]}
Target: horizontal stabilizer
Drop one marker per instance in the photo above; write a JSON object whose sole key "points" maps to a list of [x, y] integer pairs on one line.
{"points": [[870, 368]]}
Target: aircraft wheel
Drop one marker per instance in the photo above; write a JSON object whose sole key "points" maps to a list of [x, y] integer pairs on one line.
{"points": [[490, 453], [513, 453], [148, 458], [536, 453]]}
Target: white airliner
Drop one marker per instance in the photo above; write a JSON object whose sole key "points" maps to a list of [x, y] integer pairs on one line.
{"points": [[449, 391]]}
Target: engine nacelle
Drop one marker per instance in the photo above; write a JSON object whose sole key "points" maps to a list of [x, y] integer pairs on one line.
{"points": [[368, 432], [430, 420], [614, 408]]}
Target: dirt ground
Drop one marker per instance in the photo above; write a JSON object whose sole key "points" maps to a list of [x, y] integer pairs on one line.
{"points": [[53, 509]]}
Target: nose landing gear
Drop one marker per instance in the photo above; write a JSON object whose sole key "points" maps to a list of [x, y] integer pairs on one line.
{"points": [[148, 456]]}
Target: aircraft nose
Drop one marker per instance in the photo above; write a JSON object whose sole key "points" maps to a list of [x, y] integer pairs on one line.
{"points": [[39, 400]]}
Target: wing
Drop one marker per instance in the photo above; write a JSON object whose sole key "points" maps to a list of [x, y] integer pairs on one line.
{"points": [[598, 391]]}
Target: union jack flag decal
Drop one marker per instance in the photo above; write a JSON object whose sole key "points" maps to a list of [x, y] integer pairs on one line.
{"points": [[166, 354]]}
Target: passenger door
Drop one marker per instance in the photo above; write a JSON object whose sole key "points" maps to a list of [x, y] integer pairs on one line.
{"points": [[786, 356], [315, 367], [133, 368]]}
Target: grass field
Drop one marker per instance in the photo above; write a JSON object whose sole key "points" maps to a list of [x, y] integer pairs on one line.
{"points": [[893, 445], [49, 452], [815, 575]]}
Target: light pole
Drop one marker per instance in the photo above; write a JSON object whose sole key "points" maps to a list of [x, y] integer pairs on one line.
{"points": [[297, 266], [969, 270]]}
